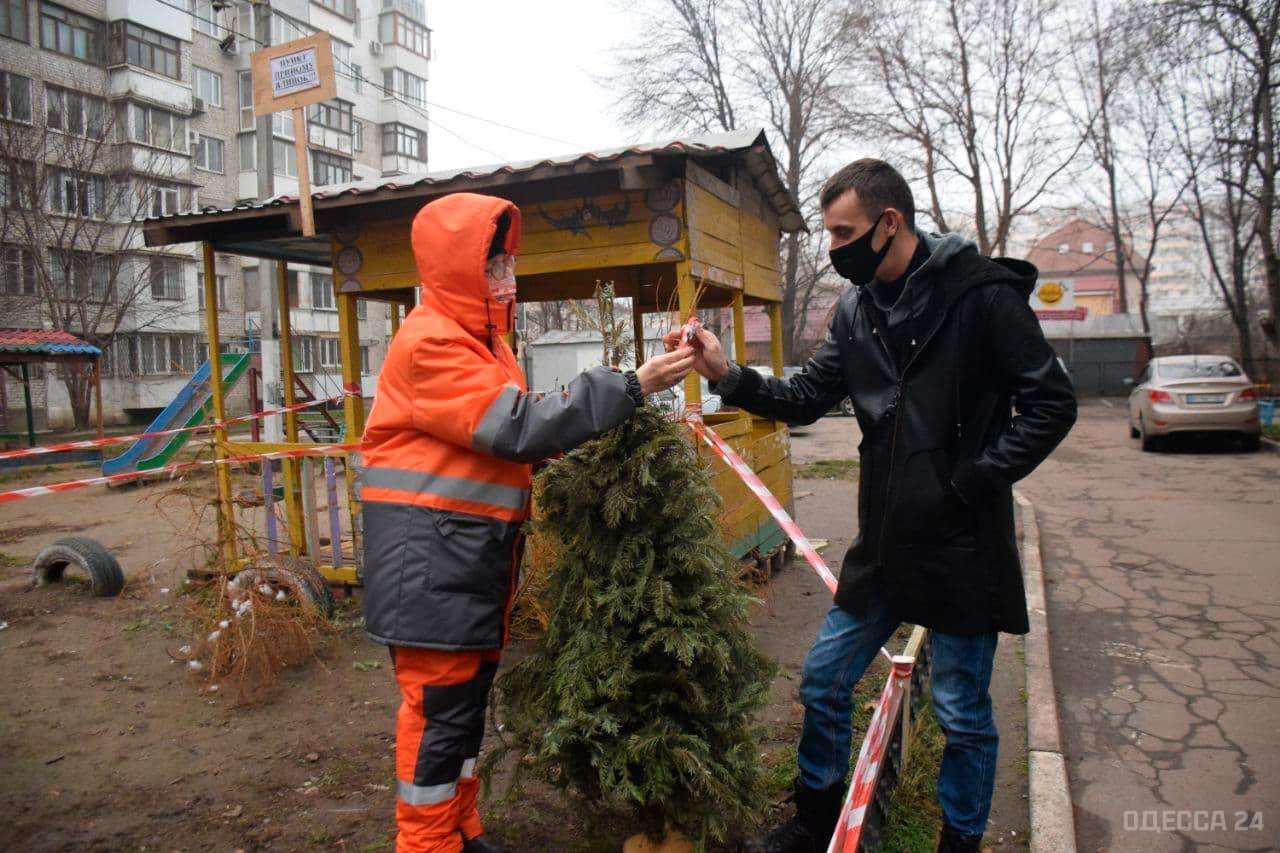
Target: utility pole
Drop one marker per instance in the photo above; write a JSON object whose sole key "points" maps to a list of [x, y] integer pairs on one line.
{"points": [[269, 327]]}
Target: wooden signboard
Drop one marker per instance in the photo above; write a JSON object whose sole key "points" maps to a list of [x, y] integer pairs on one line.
{"points": [[293, 76]]}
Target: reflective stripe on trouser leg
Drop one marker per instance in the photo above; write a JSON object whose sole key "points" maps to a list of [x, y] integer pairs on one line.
{"points": [[442, 701], [468, 785]]}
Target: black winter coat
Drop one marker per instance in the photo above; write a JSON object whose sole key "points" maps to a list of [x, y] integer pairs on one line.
{"points": [[941, 446]]}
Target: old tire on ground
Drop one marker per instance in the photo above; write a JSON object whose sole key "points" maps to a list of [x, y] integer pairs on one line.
{"points": [[299, 580], [99, 566]]}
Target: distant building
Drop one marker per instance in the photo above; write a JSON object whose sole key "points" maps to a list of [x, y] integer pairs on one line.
{"points": [[1086, 254]]}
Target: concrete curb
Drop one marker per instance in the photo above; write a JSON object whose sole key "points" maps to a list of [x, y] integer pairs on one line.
{"points": [[1052, 816]]}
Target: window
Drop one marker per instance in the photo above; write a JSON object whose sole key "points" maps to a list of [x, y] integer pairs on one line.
{"points": [[1111, 245], [138, 45], [17, 270], [357, 81], [330, 169], [395, 28], [17, 184], [154, 126], [285, 29], [80, 275], [330, 352], [345, 8], [209, 154], [207, 85], [13, 19], [408, 86], [282, 125], [204, 18], [15, 96], [1063, 248], [252, 295], [330, 125], [166, 278], [75, 112], [284, 158], [70, 33], [1087, 247], [248, 152], [322, 298], [341, 57], [304, 349], [246, 101], [404, 141], [362, 309], [364, 361], [161, 354], [221, 281], [291, 287], [165, 199], [77, 193], [357, 127], [415, 9]]}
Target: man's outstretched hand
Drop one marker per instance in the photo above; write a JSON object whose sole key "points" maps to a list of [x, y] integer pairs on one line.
{"points": [[662, 371], [708, 359]]}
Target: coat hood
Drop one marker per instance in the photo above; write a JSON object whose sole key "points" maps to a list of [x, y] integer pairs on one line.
{"points": [[450, 238]]}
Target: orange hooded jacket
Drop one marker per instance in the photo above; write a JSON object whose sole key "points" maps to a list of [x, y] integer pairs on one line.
{"points": [[446, 475]]}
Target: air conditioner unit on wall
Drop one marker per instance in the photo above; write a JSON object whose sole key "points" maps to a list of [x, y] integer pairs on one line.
{"points": [[193, 138], [197, 105], [375, 48]]}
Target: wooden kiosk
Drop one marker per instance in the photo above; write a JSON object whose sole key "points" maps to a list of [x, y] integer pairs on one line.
{"points": [[664, 222]]}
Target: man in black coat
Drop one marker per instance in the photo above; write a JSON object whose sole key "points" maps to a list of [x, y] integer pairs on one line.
{"points": [[958, 396]]}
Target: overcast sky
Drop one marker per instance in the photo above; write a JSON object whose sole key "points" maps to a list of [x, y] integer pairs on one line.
{"points": [[525, 64]]}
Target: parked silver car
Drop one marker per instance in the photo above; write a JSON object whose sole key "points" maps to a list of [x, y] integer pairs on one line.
{"points": [[1193, 394]]}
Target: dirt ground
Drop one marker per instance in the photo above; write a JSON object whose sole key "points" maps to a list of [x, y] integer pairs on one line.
{"points": [[109, 744]]}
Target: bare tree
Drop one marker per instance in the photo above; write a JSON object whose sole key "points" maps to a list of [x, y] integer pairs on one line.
{"points": [[971, 87], [73, 202], [717, 64], [1215, 109], [1243, 34]]}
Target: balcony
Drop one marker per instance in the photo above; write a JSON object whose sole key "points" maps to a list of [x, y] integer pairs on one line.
{"points": [[125, 81], [415, 9], [168, 18]]}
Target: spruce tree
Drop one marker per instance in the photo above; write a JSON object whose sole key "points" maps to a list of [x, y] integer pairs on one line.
{"points": [[641, 692]]}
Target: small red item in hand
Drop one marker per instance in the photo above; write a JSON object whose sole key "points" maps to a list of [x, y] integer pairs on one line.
{"points": [[688, 334]]}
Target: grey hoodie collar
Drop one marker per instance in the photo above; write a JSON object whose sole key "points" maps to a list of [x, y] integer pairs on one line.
{"points": [[941, 248]]}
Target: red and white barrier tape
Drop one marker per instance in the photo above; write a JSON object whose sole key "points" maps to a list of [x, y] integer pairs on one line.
{"points": [[871, 759], [72, 485], [90, 443]]}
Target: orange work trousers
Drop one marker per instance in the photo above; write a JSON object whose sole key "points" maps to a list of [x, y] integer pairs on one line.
{"points": [[439, 728]]}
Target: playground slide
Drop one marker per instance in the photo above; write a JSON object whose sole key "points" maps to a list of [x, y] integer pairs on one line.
{"points": [[188, 409]]}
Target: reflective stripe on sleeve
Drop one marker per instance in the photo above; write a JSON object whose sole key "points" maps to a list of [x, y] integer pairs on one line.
{"points": [[457, 488], [425, 795], [468, 768], [486, 434]]}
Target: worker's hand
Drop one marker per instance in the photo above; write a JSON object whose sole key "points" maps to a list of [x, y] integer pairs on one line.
{"points": [[709, 358], [662, 371]]}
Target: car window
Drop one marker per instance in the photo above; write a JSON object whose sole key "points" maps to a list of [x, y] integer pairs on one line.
{"points": [[1214, 369]]}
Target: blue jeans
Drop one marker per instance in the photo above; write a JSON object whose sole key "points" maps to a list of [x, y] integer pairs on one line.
{"points": [[961, 676]]}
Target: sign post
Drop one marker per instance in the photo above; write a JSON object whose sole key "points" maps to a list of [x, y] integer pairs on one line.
{"points": [[292, 76]]}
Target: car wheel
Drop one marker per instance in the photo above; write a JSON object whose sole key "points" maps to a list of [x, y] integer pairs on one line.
{"points": [[1133, 430], [1251, 443], [846, 407], [1148, 442], [99, 566]]}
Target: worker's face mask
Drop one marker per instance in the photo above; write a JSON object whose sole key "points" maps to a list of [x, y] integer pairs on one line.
{"points": [[501, 274], [856, 260]]}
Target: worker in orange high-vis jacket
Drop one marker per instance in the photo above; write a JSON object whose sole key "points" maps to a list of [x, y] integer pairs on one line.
{"points": [[445, 482]]}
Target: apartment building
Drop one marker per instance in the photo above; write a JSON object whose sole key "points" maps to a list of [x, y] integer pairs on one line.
{"points": [[114, 110]]}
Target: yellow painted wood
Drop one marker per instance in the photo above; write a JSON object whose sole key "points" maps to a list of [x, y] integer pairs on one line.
{"points": [[739, 330], [686, 289], [558, 241], [775, 337], [711, 216], [637, 254], [349, 575], [226, 514], [289, 470], [352, 403]]}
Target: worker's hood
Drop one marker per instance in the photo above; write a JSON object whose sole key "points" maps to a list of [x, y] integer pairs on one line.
{"points": [[451, 238]]}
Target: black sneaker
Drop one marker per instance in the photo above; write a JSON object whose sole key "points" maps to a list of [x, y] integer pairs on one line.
{"points": [[792, 837], [953, 840], [810, 830], [483, 844]]}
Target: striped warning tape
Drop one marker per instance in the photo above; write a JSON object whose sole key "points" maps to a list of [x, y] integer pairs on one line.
{"points": [[123, 439], [72, 485]]}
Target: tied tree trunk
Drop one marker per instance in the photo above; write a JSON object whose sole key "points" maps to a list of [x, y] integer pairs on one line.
{"points": [[79, 384], [640, 695]]}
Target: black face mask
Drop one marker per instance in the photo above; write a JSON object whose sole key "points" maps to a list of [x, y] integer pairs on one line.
{"points": [[856, 260]]}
